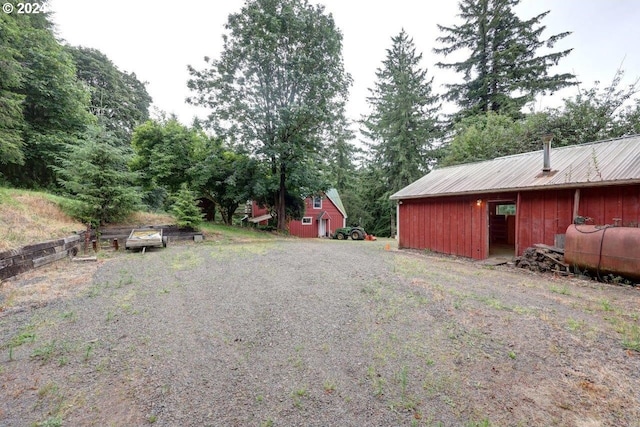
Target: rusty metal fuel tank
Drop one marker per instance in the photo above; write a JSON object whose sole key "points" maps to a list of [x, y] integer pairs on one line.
{"points": [[604, 249]]}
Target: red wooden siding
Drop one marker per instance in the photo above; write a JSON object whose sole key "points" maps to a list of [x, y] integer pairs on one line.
{"points": [[450, 225], [458, 226], [541, 215], [333, 216]]}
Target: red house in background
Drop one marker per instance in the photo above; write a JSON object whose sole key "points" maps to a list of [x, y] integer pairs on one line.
{"points": [[507, 204], [323, 215]]}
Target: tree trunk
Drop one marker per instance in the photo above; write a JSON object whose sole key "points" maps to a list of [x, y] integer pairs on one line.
{"points": [[281, 209]]}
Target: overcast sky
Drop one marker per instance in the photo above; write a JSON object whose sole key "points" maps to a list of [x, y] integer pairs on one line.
{"points": [[156, 39]]}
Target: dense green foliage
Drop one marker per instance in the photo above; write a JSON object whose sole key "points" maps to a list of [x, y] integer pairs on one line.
{"points": [[46, 105], [185, 209], [402, 127], [71, 121], [94, 171], [503, 71], [276, 88], [118, 99]]}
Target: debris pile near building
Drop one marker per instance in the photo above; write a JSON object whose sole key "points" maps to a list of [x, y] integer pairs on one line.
{"points": [[543, 258]]}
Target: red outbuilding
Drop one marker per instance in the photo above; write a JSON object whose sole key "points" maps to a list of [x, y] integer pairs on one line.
{"points": [[323, 215], [506, 205]]}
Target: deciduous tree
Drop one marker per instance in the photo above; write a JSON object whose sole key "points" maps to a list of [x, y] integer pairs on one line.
{"points": [[276, 87]]}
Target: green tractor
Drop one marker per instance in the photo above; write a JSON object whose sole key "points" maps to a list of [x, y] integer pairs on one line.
{"points": [[356, 233]]}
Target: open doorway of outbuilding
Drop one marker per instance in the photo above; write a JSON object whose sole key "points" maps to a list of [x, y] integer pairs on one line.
{"points": [[502, 229]]}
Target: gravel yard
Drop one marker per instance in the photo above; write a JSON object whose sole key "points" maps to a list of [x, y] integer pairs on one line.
{"points": [[289, 332]]}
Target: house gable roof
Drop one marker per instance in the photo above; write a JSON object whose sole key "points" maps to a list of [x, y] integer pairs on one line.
{"points": [[332, 194], [608, 162]]}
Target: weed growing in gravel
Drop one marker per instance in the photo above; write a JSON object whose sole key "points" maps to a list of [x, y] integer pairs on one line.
{"points": [[329, 386], [267, 423], [297, 395], [69, 315], [562, 291], [606, 305], [50, 350], [631, 337], [512, 355], [377, 381], [50, 422], [575, 325], [186, 260]]}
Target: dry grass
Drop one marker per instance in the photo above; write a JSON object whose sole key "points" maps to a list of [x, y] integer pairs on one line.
{"points": [[30, 217], [146, 218]]}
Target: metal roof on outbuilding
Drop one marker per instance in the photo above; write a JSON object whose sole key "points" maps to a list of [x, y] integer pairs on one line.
{"points": [[610, 162], [333, 195]]}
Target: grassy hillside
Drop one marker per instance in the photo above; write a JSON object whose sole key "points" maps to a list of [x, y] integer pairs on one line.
{"points": [[31, 216]]}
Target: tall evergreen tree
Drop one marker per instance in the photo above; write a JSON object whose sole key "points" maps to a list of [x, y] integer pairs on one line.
{"points": [[403, 124], [277, 86], [503, 71]]}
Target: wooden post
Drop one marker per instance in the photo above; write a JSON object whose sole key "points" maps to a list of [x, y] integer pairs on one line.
{"points": [[94, 244], [87, 236], [115, 244], [576, 204]]}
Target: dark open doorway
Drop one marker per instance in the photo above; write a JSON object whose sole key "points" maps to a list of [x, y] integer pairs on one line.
{"points": [[502, 228]]}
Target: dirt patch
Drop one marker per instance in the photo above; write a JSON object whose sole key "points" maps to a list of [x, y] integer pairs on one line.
{"points": [[309, 332]]}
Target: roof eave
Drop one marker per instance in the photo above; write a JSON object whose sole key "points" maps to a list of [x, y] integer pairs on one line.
{"points": [[510, 190]]}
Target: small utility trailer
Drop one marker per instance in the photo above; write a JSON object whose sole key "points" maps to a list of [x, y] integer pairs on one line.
{"points": [[146, 238]]}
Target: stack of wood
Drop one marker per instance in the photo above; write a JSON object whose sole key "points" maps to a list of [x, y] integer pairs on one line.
{"points": [[542, 258]]}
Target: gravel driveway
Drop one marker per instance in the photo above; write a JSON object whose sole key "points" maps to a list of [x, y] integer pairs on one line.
{"points": [[314, 333]]}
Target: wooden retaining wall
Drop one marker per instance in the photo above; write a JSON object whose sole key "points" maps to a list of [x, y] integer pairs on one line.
{"points": [[28, 257], [14, 262]]}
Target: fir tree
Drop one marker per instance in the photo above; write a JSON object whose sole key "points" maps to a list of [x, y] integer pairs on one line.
{"points": [[95, 173], [503, 71], [185, 209], [403, 124]]}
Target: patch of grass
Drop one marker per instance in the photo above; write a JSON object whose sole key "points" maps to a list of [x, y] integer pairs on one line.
{"points": [[49, 350], [606, 305], [226, 233], [32, 217], [564, 290], [54, 421], [512, 355], [186, 260], [631, 337], [329, 386], [575, 325], [297, 396]]}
